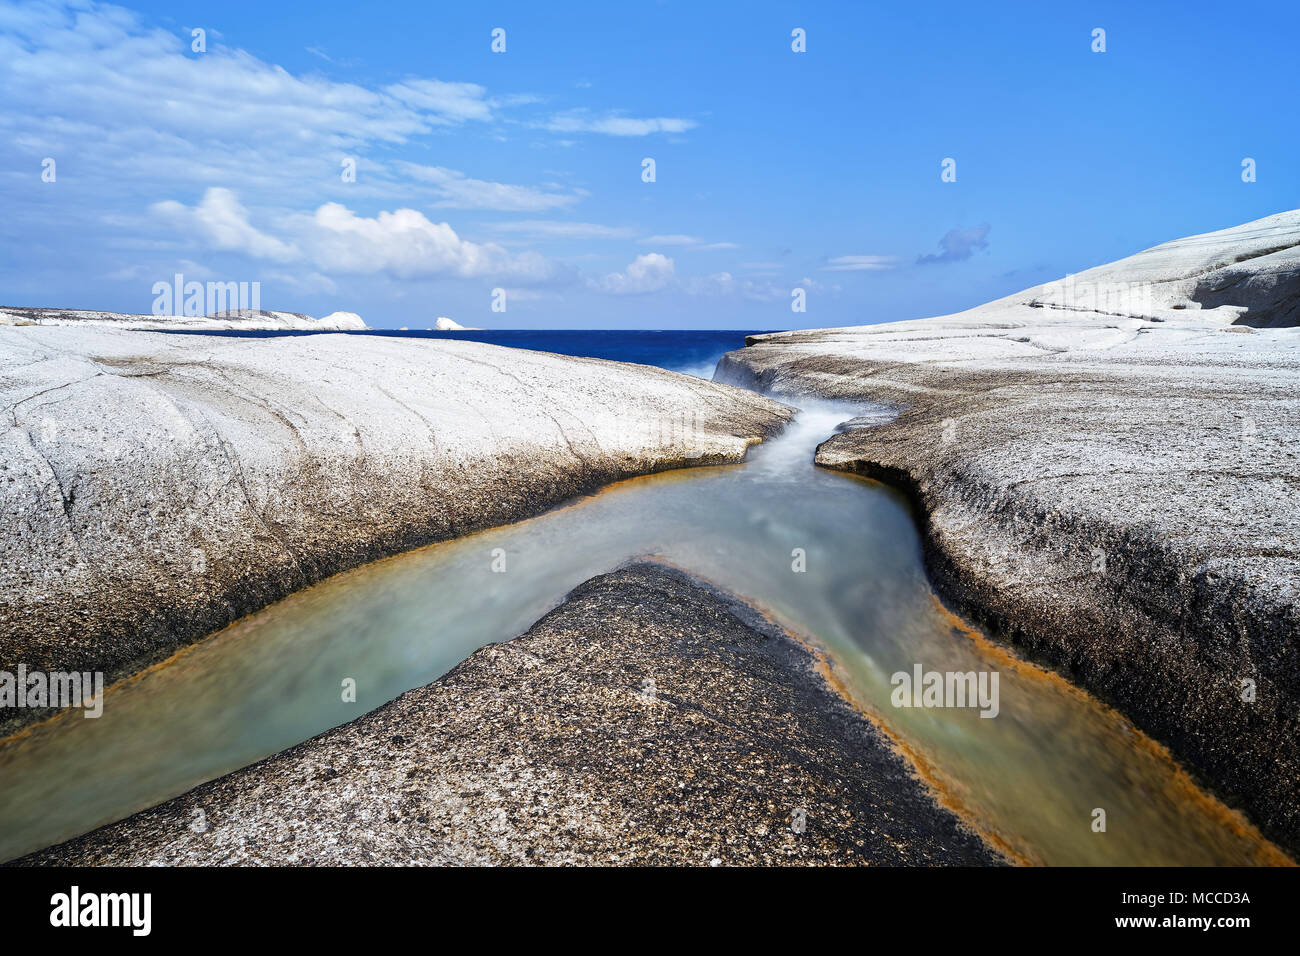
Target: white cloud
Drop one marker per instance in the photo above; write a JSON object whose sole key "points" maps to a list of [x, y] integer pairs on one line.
{"points": [[224, 224], [860, 263], [311, 282], [725, 284], [403, 242], [680, 240], [612, 124], [655, 272], [648, 273], [812, 285], [133, 117], [97, 68], [128, 273], [674, 240], [447, 102], [518, 295], [559, 229], [195, 270], [458, 191], [97, 81]]}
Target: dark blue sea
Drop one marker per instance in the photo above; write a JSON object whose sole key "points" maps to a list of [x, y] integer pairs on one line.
{"points": [[693, 351]]}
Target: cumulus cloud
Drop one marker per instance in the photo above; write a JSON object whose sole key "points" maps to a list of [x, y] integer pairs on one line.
{"points": [[335, 239], [133, 116], [648, 273], [959, 245], [220, 220], [405, 243]]}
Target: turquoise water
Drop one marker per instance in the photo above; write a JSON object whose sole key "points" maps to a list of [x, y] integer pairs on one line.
{"points": [[1031, 777]]}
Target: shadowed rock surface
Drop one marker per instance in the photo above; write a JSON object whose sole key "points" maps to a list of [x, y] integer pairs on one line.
{"points": [[648, 720], [156, 487], [1108, 473]]}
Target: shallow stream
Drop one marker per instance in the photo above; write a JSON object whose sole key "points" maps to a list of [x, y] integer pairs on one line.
{"points": [[1031, 777]]}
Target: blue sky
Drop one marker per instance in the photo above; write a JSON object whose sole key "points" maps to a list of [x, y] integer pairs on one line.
{"points": [[523, 170]]}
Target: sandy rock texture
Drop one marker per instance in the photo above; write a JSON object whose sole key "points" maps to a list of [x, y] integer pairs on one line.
{"points": [[647, 720], [1107, 470], [235, 320], [156, 487]]}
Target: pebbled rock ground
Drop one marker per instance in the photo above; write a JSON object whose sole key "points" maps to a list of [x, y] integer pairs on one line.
{"points": [[156, 487], [1107, 471], [648, 720]]}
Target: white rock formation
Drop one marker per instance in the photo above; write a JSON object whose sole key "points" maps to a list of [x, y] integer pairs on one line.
{"points": [[259, 320], [341, 321], [445, 324], [155, 487], [1107, 466], [1239, 278]]}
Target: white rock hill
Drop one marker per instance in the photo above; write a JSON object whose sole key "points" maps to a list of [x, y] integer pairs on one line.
{"points": [[1108, 474], [445, 324], [155, 487], [259, 320]]}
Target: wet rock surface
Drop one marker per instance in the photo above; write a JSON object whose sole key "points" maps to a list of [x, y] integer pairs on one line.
{"points": [[157, 487], [647, 720], [1106, 472]]}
